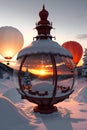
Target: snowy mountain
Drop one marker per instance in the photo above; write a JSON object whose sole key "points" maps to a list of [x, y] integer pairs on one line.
{"points": [[5, 70]]}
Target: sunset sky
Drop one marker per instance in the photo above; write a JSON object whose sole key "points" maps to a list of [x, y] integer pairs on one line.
{"points": [[69, 18]]}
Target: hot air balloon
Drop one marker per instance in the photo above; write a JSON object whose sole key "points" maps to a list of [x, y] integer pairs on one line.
{"points": [[11, 41], [75, 49]]}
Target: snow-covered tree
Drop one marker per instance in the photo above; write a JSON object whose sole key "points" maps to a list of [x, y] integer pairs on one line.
{"points": [[26, 80], [85, 57], [84, 69]]}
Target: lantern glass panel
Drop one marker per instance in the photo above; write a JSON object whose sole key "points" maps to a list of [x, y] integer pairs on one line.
{"points": [[39, 69], [65, 72]]}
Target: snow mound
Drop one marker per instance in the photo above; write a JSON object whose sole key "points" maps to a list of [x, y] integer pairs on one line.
{"points": [[5, 85], [10, 118], [43, 86], [13, 95], [9, 83], [3, 88], [82, 95]]}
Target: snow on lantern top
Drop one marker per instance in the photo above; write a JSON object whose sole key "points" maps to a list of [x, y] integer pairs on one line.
{"points": [[44, 43]]}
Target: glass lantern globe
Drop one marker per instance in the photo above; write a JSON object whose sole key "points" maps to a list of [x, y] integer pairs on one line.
{"points": [[44, 78], [45, 72]]}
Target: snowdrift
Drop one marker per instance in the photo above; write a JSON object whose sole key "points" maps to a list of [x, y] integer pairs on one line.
{"points": [[80, 93], [10, 118], [13, 95]]}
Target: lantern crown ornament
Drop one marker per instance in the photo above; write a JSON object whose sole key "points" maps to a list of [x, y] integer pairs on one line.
{"points": [[43, 26], [48, 66]]}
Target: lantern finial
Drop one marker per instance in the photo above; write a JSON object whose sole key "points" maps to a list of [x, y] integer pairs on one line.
{"points": [[43, 26]]}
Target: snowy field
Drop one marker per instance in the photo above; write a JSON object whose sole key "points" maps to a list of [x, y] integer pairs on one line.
{"points": [[17, 114]]}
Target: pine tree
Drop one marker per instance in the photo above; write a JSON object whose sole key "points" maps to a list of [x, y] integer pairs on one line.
{"points": [[26, 80], [84, 69]]}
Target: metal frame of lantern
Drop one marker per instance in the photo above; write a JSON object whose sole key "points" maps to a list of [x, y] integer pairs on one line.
{"points": [[46, 104], [40, 46]]}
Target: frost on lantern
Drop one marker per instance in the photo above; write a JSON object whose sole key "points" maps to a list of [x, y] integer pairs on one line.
{"points": [[50, 74]]}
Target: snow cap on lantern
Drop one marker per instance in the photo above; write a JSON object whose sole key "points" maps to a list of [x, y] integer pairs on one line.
{"points": [[46, 46]]}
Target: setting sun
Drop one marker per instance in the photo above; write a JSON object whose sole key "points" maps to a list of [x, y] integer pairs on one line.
{"points": [[42, 72]]}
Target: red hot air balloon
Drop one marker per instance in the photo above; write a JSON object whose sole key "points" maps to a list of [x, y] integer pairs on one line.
{"points": [[75, 49]]}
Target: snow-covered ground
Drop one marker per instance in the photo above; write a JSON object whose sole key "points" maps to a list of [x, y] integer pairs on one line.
{"points": [[17, 114]]}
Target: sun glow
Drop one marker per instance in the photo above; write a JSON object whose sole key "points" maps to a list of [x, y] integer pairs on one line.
{"points": [[42, 72]]}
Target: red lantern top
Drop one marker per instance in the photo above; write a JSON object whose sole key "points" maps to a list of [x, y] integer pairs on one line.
{"points": [[43, 13], [43, 26]]}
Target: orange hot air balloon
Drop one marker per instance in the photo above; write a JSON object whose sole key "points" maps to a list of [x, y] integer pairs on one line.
{"points": [[11, 41], [75, 49]]}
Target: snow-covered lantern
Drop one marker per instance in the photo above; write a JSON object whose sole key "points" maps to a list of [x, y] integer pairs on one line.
{"points": [[45, 70]]}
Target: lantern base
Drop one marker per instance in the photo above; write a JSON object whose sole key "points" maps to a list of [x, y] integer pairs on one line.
{"points": [[45, 109]]}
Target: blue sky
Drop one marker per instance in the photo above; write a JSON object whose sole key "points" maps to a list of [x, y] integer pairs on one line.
{"points": [[69, 18]]}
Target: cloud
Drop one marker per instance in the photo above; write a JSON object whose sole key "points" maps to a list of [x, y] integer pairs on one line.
{"points": [[81, 36]]}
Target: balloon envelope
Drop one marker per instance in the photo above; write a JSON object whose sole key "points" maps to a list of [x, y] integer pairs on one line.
{"points": [[11, 41], [76, 50]]}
